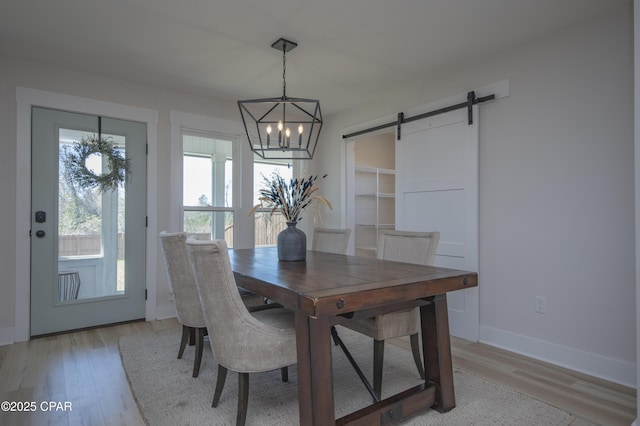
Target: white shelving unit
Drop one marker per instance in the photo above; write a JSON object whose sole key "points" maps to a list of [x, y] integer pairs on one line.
{"points": [[374, 207]]}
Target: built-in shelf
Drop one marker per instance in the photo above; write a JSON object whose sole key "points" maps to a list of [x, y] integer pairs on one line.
{"points": [[375, 206]]}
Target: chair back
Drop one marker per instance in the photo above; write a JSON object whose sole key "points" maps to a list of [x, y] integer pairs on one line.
{"points": [[240, 342], [408, 247], [331, 240], [181, 279]]}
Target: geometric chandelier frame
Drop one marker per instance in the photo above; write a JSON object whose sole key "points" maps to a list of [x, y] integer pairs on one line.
{"points": [[284, 127]]}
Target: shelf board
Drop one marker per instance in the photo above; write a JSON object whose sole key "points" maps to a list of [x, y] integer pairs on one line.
{"points": [[375, 170], [380, 195]]}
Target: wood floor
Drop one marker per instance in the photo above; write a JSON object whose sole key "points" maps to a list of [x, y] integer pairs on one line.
{"points": [[84, 370]]}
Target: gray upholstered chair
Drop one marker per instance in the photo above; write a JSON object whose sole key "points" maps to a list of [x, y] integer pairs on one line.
{"points": [[241, 341], [331, 240], [185, 294], [407, 247]]}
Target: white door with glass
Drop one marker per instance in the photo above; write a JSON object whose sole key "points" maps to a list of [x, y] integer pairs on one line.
{"points": [[437, 190], [87, 236]]}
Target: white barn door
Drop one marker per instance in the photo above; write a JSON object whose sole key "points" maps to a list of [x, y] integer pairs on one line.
{"points": [[437, 190]]}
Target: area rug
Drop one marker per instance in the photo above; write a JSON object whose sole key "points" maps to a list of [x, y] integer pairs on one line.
{"points": [[166, 393]]}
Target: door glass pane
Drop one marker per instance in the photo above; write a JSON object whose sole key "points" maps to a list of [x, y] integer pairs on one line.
{"points": [[91, 228]]}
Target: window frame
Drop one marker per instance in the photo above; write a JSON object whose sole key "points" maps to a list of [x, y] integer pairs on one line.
{"points": [[234, 152], [243, 159]]}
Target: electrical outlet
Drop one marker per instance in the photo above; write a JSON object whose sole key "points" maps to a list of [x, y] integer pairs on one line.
{"points": [[541, 305]]}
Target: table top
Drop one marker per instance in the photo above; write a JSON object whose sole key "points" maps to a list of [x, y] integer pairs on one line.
{"points": [[333, 284]]}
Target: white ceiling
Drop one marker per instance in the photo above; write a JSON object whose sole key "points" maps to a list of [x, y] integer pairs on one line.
{"points": [[348, 52]]}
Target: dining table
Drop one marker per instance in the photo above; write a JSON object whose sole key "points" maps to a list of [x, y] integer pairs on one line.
{"points": [[326, 290]]}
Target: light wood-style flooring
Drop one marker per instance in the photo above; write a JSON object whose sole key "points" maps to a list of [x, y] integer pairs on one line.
{"points": [[84, 369]]}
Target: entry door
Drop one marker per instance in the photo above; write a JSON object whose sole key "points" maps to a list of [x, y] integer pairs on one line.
{"points": [[87, 246], [437, 190]]}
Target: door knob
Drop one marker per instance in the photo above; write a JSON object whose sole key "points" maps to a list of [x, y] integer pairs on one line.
{"points": [[40, 234]]}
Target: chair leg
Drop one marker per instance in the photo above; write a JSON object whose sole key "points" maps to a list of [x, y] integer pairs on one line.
{"points": [[243, 398], [284, 373], [192, 336], [199, 344], [183, 341], [222, 376], [378, 360], [415, 348]]}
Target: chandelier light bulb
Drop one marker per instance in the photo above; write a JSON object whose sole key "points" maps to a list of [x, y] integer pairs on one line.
{"points": [[280, 126], [268, 134], [300, 129]]}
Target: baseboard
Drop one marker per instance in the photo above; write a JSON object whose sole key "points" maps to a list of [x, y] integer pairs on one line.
{"points": [[7, 336], [603, 367], [168, 310]]}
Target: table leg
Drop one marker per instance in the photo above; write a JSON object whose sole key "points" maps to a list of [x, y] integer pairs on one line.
{"points": [[304, 369], [315, 382], [436, 345]]}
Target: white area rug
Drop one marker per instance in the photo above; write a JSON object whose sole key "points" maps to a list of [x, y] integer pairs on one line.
{"points": [[167, 394]]}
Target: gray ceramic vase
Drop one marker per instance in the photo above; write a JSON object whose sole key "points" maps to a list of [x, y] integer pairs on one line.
{"points": [[292, 244]]}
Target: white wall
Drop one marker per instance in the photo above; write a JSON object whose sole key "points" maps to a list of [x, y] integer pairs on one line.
{"points": [[556, 192], [15, 73]]}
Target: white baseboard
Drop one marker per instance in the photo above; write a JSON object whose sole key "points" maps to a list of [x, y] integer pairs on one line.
{"points": [[168, 310], [7, 336], [613, 370]]}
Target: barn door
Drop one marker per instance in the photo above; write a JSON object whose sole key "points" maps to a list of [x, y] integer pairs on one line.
{"points": [[437, 190]]}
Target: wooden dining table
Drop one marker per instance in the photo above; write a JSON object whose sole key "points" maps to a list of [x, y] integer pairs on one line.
{"points": [[329, 289]]}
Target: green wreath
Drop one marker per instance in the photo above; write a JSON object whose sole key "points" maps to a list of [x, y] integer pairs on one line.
{"points": [[117, 168]]}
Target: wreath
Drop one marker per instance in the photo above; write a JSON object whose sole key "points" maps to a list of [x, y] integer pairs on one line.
{"points": [[117, 164]]}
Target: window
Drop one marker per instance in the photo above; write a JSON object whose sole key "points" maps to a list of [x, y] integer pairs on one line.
{"points": [[215, 180], [207, 180], [267, 225]]}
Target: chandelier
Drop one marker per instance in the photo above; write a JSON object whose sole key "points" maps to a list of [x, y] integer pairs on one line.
{"points": [[282, 128]]}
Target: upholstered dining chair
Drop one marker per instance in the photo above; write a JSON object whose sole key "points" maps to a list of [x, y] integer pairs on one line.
{"points": [[185, 294], [241, 341], [407, 247], [331, 240]]}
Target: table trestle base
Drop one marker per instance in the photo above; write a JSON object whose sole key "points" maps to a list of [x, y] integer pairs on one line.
{"points": [[394, 409]]}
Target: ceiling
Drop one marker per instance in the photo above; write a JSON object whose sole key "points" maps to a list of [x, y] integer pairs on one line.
{"points": [[349, 51]]}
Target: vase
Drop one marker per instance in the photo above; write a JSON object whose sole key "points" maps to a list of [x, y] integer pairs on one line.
{"points": [[292, 244]]}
